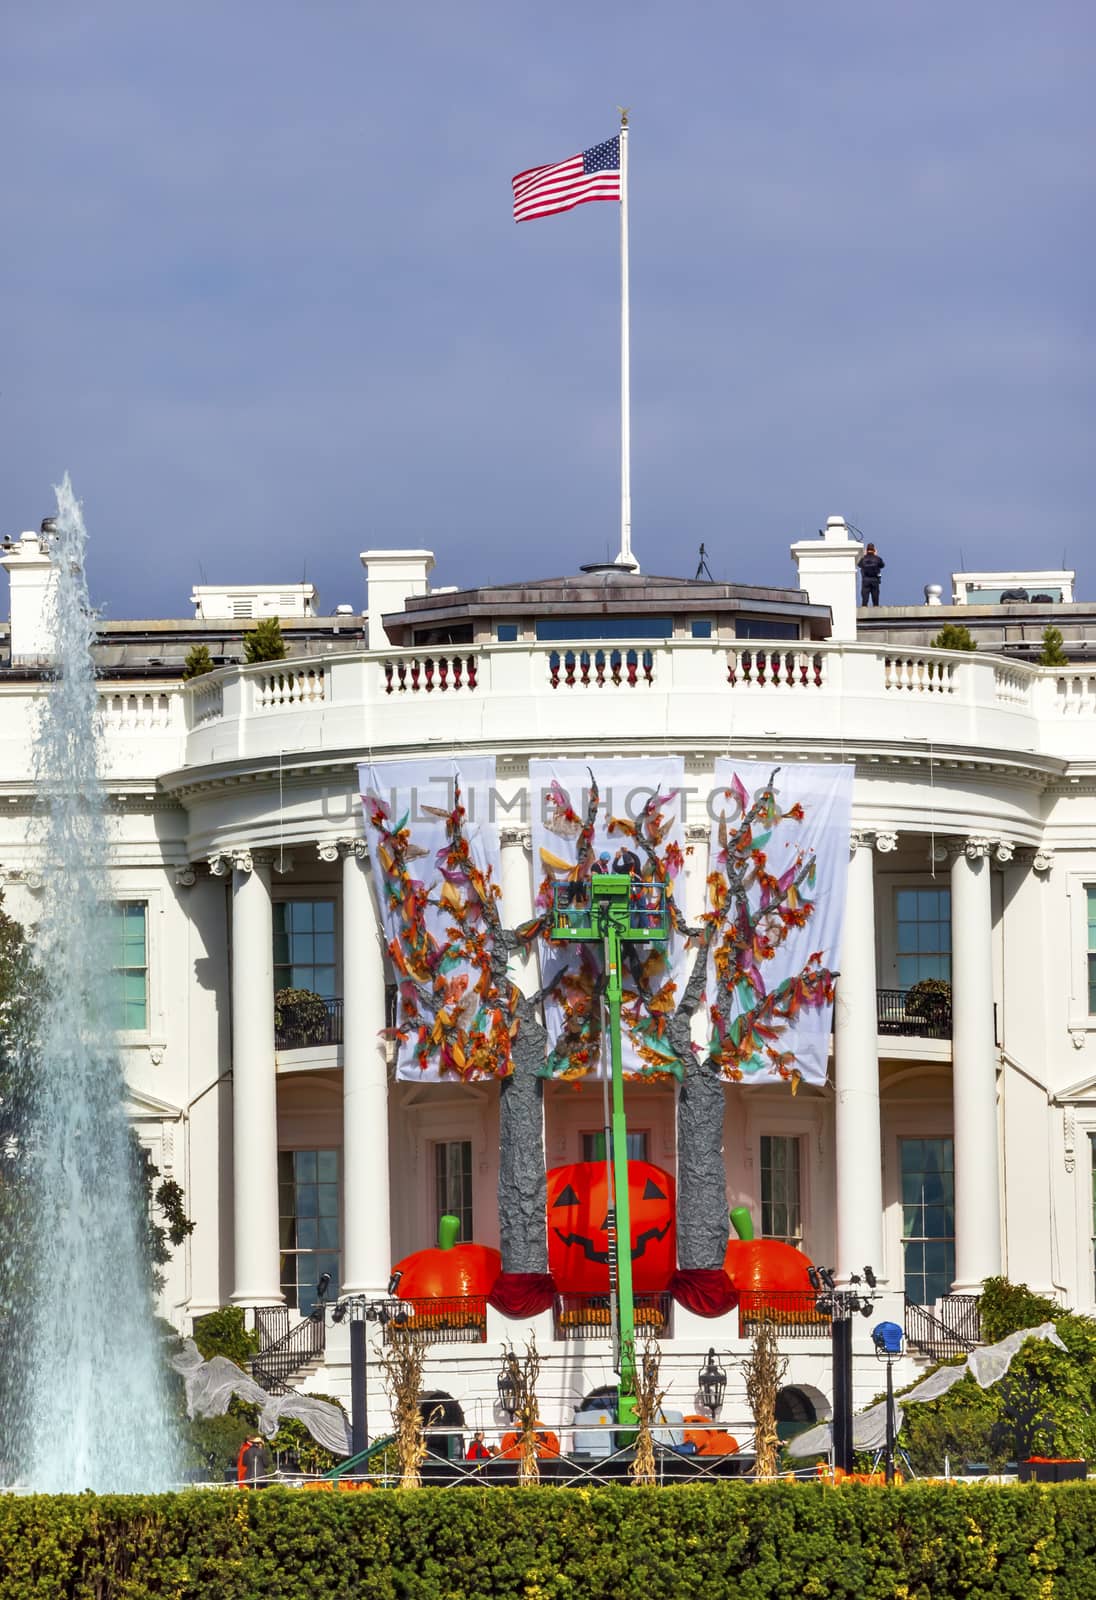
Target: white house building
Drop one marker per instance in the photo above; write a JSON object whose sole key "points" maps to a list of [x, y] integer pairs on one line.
{"points": [[944, 1148]]}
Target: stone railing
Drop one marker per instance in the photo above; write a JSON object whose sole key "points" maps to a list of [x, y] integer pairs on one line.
{"points": [[138, 710], [516, 696]]}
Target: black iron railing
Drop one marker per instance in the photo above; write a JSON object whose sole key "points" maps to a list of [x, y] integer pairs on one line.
{"points": [[297, 1035], [893, 1017], [447, 1319], [590, 1316], [289, 1353], [950, 1327], [793, 1312]]}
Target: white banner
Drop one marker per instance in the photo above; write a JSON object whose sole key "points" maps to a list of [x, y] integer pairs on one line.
{"points": [[777, 873], [434, 852], [592, 817]]}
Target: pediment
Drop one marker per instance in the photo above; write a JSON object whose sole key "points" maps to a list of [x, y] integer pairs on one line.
{"points": [[139, 1106]]}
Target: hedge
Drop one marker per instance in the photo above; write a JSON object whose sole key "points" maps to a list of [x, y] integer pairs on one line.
{"points": [[918, 1542]]}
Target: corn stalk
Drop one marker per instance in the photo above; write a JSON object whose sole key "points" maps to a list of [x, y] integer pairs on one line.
{"points": [[524, 1375], [649, 1398], [402, 1362], [764, 1369]]}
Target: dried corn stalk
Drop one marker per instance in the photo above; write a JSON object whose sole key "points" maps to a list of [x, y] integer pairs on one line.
{"points": [[649, 1398], [402, 1362], [764, 1369], [524, 1375]]}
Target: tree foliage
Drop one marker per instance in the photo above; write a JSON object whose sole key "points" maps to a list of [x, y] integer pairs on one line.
{"points": [[953, 636], [198, 662], [1052, 654], [264, 642]]}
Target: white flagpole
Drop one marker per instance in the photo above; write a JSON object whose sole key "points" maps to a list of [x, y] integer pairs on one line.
{"points": [[625, 558]]}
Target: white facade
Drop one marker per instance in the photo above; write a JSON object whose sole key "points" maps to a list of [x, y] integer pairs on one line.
{"points": [[236, 794]]}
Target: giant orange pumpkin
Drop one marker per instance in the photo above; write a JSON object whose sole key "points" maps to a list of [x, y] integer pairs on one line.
{"points": [[447, 1270], [757, 1267], [578, 1214]]}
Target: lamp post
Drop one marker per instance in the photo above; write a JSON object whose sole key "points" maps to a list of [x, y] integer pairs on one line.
{"points": [[508, 1389], [842, 1305], [711, 1384], [887, 1338], [614, 909]]}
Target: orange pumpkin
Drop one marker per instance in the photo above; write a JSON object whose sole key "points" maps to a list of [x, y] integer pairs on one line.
{"points": [[756, 1266], [447, 1270], [578, 1214]]}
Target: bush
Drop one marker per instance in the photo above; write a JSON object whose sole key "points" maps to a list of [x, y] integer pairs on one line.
{"points": [[922, 1541], [300, 1017], [1052, 654], [198, 661], [265, 642], [953, 636], [222, 1333], [930, 999]]}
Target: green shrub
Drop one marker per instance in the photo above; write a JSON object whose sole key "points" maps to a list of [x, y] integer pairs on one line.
{"points": [[300, 1017], [265, 642], [1007, 1307], [198, 661], [1052, 654], [930, 998], [953, 636], [223, 1333], [920, 1541]]}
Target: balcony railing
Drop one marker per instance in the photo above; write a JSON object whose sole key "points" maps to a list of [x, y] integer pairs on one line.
{"points": [[950, 1327], [447, 1319], [793, 1312], [295, 1035], [590, 1316], [893, 1018]]}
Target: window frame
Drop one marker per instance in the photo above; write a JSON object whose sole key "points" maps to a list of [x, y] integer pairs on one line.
{"points": [[467, 1235], [297, 1250], [908, 1137], [796, 1142], [919, 887], [316, 894]]}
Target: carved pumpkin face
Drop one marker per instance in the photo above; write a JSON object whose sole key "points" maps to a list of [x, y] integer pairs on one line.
{"points": [[463, 1269], [578, 1240]]}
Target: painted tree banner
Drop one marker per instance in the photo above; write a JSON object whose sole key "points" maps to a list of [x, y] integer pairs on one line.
{"points": [[775, 907], [596, 817], [434, 854]]}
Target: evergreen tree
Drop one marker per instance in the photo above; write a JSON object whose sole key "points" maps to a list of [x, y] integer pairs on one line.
{"points": [[953, 636], [1052, 654], [198, 661], [265, 642]]}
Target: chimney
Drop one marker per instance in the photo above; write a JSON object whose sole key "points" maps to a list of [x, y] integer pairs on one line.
{"points": [[827, 571], [30, 573], [392, 577]]}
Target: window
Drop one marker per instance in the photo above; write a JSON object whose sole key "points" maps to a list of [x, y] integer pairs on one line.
{"points": [[765, 628], [1091, 896], [923, 918], [781, 1199], [702, 628], [453, 1183], [304, 946], [928, 1217], [593, 1146], [308, 1205], [129, 966], [602, 627], [506, 632]]}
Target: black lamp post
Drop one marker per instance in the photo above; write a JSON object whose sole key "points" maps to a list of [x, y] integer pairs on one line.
{"points": [[711, 1384], [842, 1305], [508, 1389], [360, 1310]]}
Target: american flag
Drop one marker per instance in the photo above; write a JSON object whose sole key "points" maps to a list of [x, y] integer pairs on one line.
{"points": [[592, 175]]}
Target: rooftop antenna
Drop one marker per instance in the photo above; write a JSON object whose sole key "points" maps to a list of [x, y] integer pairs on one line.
{"points": [[702, 567]]}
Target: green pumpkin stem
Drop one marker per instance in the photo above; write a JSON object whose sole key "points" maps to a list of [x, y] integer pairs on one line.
{"points": [[742, 1222], [448, 1231]]}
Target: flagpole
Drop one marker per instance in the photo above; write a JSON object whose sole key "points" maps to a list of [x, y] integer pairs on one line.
{"points": [[625, 558]]}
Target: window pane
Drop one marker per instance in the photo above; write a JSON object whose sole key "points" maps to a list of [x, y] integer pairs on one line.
{"points": [[305, 1166], [327, 1166], [323, 916]]}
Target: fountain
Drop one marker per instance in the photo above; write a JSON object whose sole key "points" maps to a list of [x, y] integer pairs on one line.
{"points": [[89, 1409]]}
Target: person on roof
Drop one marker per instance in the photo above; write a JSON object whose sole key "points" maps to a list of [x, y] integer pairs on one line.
{"points": [[871, 564]]}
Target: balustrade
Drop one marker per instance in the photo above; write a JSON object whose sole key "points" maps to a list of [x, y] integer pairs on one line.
{"points": [[598, 668], [122, 710], [920, 674], [773, 668], [425, 674], [288, 686]]}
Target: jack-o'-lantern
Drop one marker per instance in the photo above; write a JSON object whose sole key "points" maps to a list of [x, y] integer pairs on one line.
{"points": [[578, 1215], [447, 1270]]}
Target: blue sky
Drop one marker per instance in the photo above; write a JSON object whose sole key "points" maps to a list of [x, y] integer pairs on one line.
{"points": [[262, 294]]}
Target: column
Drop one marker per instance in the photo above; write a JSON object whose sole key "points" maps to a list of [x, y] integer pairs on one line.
{"points": [[974, 1068], [857, 1143], [366, 1240], [209, 1167], [254, 1088]]}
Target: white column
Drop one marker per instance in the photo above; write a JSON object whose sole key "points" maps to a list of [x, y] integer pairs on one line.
{"points": [[366, 1240], [209, 1150], [857, 1145], [254, 1089], [974, 1070]]}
